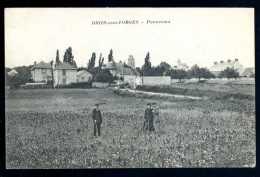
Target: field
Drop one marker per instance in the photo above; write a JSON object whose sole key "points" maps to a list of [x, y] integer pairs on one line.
{"points": [[53, 129]]}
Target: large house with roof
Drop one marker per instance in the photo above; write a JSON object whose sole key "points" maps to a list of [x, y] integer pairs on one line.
{"points": [[41, 72], [122, 70], [64, 74], [218, 67]]}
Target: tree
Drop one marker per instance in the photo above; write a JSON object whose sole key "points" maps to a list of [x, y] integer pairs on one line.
{"points": [[110, 56], [229, 73], [147, 69], [197, 72], [208, 74], [252, 75], [74, 64], [92, 61], [102, 75], [57, 57], [23, 76], [101, 61], [161, 69], [177, 74], [68, 57], [51, 62], [139, 70]]}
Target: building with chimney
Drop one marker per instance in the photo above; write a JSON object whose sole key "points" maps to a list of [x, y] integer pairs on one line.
{"points": [[64, 74], [218, 67], [41, 72]]}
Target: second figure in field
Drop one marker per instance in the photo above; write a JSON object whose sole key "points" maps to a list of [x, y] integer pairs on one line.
{"points": [[97, 119], [156, 120], [148, 119]]}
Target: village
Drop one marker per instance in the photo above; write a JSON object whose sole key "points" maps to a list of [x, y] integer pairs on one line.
{"points": [[64, 74]]}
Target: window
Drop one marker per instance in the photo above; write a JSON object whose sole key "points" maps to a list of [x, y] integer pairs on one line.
{"points": [[64, 72], [82, 78], [64, 81]]}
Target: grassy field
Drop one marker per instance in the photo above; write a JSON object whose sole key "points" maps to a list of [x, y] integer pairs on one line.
{"points": [[53, 129]]}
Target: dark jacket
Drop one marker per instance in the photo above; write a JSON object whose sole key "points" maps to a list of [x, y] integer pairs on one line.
{"points": [[148, 120], [96, 115], [148, 115]]}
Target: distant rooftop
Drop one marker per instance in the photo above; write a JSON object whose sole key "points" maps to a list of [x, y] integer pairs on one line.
{"points": [[42, 65], [81, 72], [121, 68], [223, 65]]}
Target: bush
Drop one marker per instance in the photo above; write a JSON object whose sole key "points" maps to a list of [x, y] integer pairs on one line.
{"points": [[76, 85]]}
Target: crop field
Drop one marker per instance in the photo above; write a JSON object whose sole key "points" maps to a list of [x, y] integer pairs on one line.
{"points": [[53, 129]]}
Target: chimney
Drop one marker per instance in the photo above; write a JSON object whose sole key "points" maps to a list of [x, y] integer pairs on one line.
{"points": [[215, 63], [35, 63], [221, 61], [236, 59], [228, 60]]}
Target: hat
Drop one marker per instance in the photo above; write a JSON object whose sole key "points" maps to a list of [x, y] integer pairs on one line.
{"points": [[148, 104], [96, 104]]}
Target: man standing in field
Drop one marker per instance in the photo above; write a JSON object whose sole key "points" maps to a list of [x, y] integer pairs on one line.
{"points": [[97, 119], [148, 119], [156, 118]]}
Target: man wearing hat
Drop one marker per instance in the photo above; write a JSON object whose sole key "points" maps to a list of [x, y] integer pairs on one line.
{"points": [[148, 119], [97, 119]]}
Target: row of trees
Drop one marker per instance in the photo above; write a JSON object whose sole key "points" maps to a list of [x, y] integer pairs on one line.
{"points": [[164, 69]]}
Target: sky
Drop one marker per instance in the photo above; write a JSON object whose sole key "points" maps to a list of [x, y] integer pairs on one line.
{"points": [[194, 35]]}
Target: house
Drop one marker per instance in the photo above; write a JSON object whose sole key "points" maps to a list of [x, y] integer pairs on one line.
{"points": [[180, 65], [246, 72], [111, 66], [218, 67], [64, 74], [83, 76], [41, 72], [127, 72], [121, 70], [13, 72]]}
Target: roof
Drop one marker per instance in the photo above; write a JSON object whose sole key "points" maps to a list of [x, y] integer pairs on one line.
{"points": [[83, 71], [42, 65], [221, 66], [129, 71], [65, 66], [246, 71], [121, 68], [110, 66], [12, 72]]}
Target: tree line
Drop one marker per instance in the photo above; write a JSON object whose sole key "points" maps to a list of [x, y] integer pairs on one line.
{"points": [[103, 75], [165, 69]]}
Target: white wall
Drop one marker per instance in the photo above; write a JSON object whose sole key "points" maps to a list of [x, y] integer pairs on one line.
{"points": [[38, 75], [154, 80], [71, 76], [84, 77]]}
